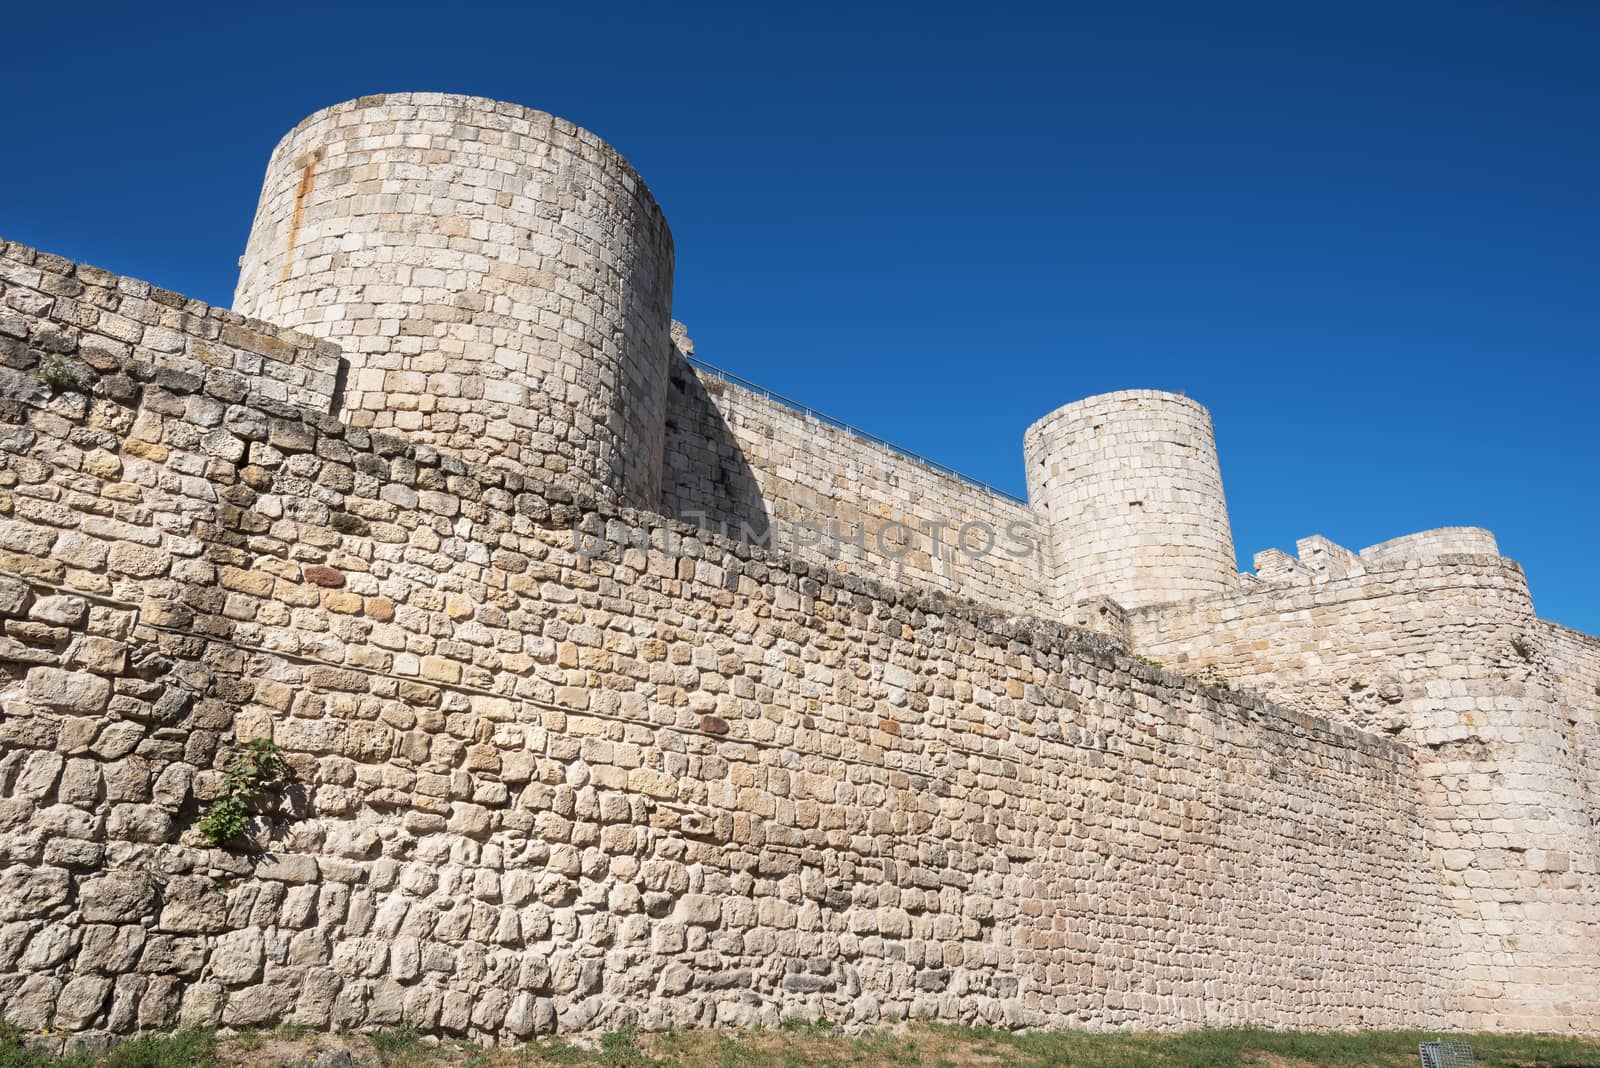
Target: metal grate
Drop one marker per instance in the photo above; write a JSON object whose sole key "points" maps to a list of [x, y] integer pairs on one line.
{"points": [[1446, 1055]]}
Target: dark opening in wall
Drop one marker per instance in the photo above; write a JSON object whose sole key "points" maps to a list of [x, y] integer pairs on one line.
{"points": [[341, 378]]}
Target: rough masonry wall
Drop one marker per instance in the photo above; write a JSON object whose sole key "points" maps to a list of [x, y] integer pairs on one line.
{"points": [[541, 790], [500, 280], [1574, 664], [739, 460], [1445, 654]]}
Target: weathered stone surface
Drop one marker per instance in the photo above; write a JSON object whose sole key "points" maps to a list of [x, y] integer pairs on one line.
{"points": [[102, 656], [236, 957], [111, 950], [150, 824], [81, 1001], [14, 595], [75, 854], [258, 1005], [33, 1005], [33, 892], [117, 897], [78, 693], [60, 610], [287, 867], [193, 905], [543, 781], [76, 550], [326, 1057], [318, 575], [172, 955]]}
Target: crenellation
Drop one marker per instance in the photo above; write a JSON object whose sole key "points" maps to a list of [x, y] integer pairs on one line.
{"points": [[589, 730], [1278, 568], [1319, 560]]}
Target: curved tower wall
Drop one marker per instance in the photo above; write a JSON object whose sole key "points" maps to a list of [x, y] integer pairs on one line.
{"points": [[500, 280], [1129, 487]]}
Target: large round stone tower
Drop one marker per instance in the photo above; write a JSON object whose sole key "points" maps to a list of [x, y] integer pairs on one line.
{"points": [[1129, 487], [500, 280]]}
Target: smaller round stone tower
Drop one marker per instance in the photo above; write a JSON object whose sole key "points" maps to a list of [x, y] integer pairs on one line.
{"points": [[499, 279], [1129, 488]]}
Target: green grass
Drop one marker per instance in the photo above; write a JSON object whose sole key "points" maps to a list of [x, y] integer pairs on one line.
{"points": [[819, 1044], [293, 1032], [181, 1049], [404, 1045], [555, 1051], [624, 1050], [1243, 1047], [14, 1055]]}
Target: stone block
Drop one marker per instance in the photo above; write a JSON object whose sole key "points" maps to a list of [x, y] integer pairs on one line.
{"points": [[73, 692], [117, 897], [60, 610]]}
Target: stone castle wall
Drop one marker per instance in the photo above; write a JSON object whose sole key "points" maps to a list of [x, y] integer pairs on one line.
{"points": [[618, 692], [739, 461], [1573, 662], [499, 279], [500, 284], [1444, 653], [539, 789]]}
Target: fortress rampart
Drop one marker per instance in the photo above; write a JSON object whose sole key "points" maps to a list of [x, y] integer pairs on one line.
{"points": [[742, 463], [553, 777], [1444, 653]]}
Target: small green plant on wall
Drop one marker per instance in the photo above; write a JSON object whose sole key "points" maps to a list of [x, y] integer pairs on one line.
{"points": [[59, 375], [1211, 675], [254, 773]]}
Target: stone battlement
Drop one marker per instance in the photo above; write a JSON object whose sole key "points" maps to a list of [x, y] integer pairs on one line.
{"points": [[619, 693]]}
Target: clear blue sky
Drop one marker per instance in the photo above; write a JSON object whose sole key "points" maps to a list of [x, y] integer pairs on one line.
{"points": [[1365, 234]]}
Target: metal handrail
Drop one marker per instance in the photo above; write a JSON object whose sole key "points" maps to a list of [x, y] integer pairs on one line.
{"points": [[854, 431]]}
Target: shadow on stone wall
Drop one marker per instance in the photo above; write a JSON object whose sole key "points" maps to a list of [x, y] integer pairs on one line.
{"points": [[706, 478]]}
